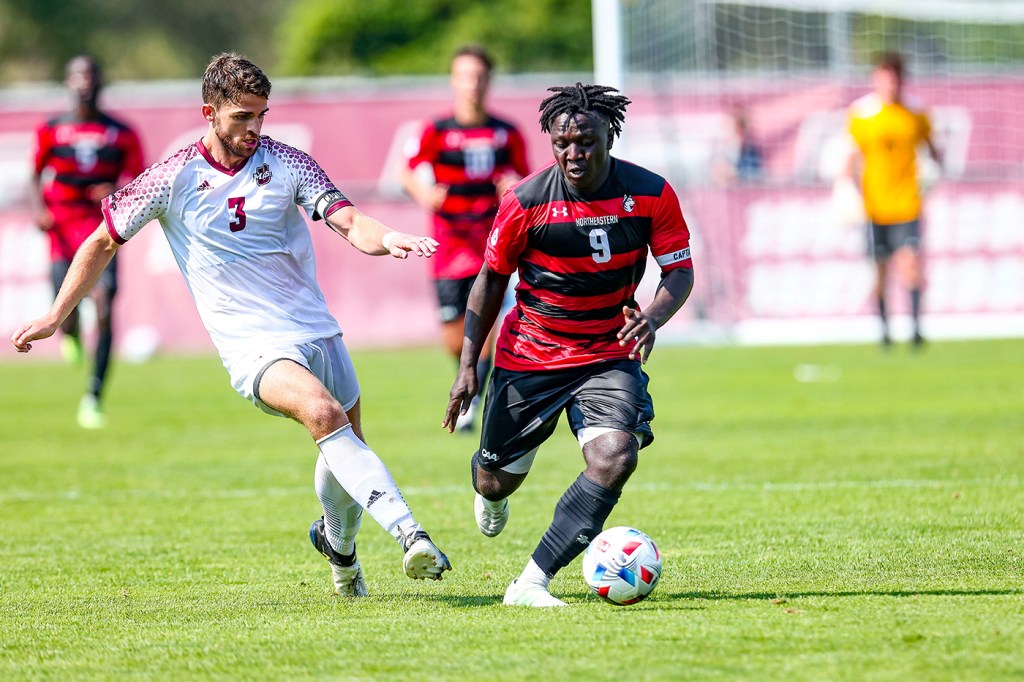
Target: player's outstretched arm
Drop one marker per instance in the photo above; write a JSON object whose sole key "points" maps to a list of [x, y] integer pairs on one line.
{"points": [[639, 327], [481, 312], [376, 239], [85, 269]]}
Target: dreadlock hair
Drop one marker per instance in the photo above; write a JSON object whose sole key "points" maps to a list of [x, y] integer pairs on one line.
{"points": [[580, 98]]}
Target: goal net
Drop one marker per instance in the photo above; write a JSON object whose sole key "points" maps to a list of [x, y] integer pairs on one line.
{"points": [[742, 104]]}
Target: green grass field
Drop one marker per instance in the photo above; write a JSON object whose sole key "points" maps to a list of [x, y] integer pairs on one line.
{"points": [[868, 524]]}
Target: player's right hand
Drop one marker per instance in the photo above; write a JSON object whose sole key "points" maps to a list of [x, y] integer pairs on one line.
{"points": [[463, 391], [31, 331]]}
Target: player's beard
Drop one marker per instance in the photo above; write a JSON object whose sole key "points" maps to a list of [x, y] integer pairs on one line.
{"points": [[233, 148]]}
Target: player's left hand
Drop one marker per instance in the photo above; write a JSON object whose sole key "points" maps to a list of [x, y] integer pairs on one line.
{"points": [[400, 245], [638, 331]]}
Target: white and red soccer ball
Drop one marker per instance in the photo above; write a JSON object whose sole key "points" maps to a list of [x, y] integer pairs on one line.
{"points": [[622, 565]]}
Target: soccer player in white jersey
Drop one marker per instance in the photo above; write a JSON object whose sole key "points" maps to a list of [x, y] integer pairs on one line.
{"points": [[227, 205]]}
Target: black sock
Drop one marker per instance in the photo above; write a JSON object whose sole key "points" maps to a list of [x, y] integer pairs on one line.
{"points": [[579, 516], [915, 305], [104, 344]]}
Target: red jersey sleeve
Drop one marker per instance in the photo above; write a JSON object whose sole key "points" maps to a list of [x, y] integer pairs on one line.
{"points": [[508, 236], [41, 151], [517, 153], [670, 237], [427, 150], [133, 159]]}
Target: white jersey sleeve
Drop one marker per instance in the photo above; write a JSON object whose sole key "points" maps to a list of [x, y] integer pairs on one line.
{"points": [[314, 191], [145, 199]]}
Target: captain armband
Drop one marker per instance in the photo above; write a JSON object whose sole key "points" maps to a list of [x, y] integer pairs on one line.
{"points": [[328, 203]]}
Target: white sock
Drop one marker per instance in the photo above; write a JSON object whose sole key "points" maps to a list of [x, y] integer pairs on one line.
{"points": [[367, 480], [494, 506], [533, 574], [342, 514]]}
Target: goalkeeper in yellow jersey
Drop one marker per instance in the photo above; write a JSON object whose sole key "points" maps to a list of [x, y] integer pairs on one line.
{"points": [[888, 130]]}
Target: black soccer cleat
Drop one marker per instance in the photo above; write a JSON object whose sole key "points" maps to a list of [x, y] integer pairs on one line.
{"points": [[318, 536]]}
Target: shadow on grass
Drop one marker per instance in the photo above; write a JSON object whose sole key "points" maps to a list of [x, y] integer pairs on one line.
{"points": [[691, 600], [755, 596]]}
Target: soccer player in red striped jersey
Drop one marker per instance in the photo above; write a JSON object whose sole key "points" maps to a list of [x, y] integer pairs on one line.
{"points": [[80, 157], [578, 232], [475, 157]]}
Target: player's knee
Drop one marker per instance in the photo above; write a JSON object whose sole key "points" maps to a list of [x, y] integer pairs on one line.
{"points": [[612, 459], [324, 416]]}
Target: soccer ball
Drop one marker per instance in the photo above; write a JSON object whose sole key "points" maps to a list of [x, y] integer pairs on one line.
{"points": [[622, 565]]}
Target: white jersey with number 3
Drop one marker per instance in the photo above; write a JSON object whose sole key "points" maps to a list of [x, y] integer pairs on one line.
{"points": [[239, 240]]}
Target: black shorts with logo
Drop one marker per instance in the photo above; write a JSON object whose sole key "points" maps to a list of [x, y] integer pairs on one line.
{"points": [[886, 240], [452, 297], [523, 408]]}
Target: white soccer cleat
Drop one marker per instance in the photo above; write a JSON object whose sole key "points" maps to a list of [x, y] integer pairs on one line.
{"points": [[423, 560], [488, 521], [349, 581], [522, 593]]}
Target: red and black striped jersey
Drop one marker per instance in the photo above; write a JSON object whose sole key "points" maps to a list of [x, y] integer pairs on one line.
{"points": [[72, 156], [580, 259], [469, 160]]}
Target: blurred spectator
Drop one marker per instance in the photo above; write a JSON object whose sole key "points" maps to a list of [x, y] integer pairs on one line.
{"points": [[741, 158], [887, 129], [475, 157], [81, 157]]}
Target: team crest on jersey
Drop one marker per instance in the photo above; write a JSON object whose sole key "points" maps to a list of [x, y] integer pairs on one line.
{"points": [[262, 175], [628, 204]]}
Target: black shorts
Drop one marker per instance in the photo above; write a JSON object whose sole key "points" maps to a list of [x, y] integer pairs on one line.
{"points": [[885, 240], [452, 297], [108, 278], [522, 408]]}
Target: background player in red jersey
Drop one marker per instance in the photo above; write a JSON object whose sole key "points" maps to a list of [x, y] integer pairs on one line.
{"points": [[578, 232], [81, 157], [475, 157]]}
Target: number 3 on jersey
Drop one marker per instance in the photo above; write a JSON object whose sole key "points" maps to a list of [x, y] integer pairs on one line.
{"points": [[236, 206], [602, 247]]}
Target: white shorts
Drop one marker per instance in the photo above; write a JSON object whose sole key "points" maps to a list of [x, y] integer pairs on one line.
{"points": [[327, 359]]}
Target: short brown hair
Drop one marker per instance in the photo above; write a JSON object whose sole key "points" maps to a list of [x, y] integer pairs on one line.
{"points": [[229, 76], [475, 51], [890, 61]]}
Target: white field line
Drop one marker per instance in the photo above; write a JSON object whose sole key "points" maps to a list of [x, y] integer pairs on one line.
{"points": [[700, 486]]}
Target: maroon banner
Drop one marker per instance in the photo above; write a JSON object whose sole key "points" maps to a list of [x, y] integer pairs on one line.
{"points": [[774, 260]]}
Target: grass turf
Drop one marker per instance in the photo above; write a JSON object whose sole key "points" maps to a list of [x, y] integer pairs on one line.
{"points": [[865, 521]]}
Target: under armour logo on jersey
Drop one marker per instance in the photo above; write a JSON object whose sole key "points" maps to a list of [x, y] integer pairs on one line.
{"points": [[262, 175], [203, 186], [560, 211], [628, 204]]}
